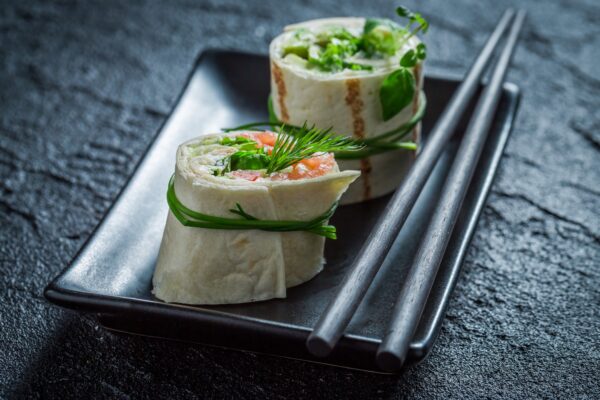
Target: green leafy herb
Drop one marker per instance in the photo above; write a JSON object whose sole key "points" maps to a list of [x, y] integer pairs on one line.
{"points": [[248, 157], [409, 59], [381, 36], [297, 48], [242, 143], [396, 92], [413, 18], [398, 89], [334, 32], [412, 57], [233, 141], [191, 218], [303, 143], [332, 57], [298, 44], [240, 211], [421, 51], [357, 67], [248, 160], [325, 50]]}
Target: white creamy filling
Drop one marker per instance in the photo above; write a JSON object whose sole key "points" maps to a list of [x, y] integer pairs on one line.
{"points": [[207, 159]]}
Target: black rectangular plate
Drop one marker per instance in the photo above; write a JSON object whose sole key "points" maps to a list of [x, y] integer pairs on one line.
{"points": [[111, 275]]}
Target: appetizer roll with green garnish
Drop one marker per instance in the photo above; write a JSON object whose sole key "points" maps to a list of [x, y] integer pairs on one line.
{"points": [[249, 215], [362, 78]]}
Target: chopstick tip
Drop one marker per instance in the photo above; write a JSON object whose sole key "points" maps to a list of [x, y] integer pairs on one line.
{"points": [[318, 346], [389, 361]]}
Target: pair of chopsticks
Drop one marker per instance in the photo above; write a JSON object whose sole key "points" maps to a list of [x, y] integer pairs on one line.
{"points": [[415, 290]]}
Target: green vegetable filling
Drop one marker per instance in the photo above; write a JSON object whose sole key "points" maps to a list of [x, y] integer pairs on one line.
{"points": [[330, 49], [248, 160], [382, 37], [248, 157], [326, 50]]}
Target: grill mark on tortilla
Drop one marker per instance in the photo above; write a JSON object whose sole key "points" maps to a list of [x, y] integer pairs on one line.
{"points": [[281, 92], [358, 124]]}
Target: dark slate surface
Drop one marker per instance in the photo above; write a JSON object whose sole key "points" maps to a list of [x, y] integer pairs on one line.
{"points": [[84, 87]]}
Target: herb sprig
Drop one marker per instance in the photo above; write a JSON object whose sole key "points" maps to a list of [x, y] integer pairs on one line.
{"points": [[191, 218], [298, 144], [416, 22], [398, 89]]}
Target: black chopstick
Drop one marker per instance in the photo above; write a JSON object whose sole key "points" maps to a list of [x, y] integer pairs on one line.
{"points": [[415, 290], [339, 312]]}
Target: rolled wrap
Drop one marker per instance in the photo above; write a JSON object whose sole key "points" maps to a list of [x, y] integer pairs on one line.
{"points": [[212, 266], [348, 102]]}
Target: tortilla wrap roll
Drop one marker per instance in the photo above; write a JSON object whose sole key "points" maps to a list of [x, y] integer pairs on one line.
{"points": [[217, 266], [346, 101]]}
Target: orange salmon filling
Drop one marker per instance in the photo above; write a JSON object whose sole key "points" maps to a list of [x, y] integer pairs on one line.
{"points": [[312, 167]]}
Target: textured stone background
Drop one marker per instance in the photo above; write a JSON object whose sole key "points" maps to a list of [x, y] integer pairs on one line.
{"points": [[84, 87]]}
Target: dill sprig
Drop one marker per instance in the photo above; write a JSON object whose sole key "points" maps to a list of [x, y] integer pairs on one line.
{"points": [[296, 144]]}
